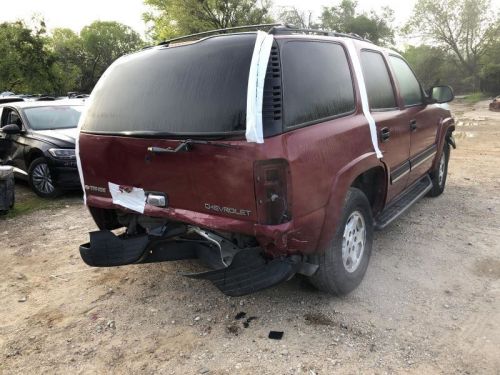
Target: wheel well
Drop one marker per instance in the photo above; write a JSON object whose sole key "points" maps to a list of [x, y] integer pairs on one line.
{"points": [[34, 154], [373, 184]]}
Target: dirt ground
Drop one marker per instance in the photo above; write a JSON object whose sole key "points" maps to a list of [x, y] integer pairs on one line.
{"points": [[430, 301]]}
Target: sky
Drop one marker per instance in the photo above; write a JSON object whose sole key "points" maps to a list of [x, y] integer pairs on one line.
{"points": [[76, 14]]}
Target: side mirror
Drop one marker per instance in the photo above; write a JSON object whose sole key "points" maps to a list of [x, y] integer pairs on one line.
{"points": [[441, 94], [11, 129]]}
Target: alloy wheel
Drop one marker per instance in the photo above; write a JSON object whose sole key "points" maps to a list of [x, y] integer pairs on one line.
{"points": [[353, 242], [442, 165], [42, 180]]}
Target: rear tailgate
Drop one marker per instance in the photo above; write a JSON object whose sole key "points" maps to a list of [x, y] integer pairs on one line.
{"points": [[207, 178]]}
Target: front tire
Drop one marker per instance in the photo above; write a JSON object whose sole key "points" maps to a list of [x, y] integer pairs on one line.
{"points": [[40, 179], [440, 173], [343, 264]]}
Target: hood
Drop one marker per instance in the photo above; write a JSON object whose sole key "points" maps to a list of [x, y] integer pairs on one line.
{"points": [[60, 137]]}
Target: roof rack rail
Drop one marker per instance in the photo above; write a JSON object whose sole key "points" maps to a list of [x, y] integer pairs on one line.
{"points": [[290, 29], [274, 28], [219, 31]]}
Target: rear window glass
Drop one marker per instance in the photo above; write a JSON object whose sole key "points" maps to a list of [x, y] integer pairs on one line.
{"points": [[190, 89], [378, 83], [317, 82], [53, 117]]}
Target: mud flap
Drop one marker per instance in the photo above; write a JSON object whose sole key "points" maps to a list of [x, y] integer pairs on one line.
{"points": [[451, 140], [249, 272], [107, 250]]}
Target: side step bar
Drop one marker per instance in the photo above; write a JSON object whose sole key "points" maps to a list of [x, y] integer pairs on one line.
{"points": [[403, 202]]}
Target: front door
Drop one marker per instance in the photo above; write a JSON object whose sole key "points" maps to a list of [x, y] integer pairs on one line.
{"points": [[419, 117], [11, 145]]}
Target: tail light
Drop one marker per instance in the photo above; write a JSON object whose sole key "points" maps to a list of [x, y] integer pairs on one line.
{"points": [[272, 191]]}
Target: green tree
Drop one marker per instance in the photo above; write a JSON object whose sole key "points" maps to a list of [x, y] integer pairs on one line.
{"points": [[427, 62], [432, 67], [102, 43], [490, 69], [373, 26], [465, 27], [25, 64], [69, 53], [172, 18], [295, 17]]}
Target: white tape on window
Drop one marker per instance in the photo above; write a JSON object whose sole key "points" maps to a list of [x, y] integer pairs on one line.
{"points": [[364, 96], [256, 81], [132, 198]]}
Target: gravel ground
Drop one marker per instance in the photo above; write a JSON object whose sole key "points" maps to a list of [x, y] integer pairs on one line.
{"points": [[430, 301]]}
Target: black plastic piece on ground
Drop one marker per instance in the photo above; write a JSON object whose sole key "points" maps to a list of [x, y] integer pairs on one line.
{"points": [[275, 335], [249, 272], [405, 201], [240, 315], [107, 250]]}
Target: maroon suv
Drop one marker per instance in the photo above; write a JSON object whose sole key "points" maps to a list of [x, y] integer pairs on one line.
{"points": [[262, 154]]}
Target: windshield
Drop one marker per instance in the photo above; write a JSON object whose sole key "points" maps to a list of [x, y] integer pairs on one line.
{"points": [[53, 117], [198, 88]]}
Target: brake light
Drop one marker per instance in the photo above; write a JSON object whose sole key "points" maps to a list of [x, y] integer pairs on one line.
{"points": [[272, 191]]}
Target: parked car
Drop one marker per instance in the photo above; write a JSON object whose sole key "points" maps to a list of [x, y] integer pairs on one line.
{"points": [[350, 140], [38, 140]]}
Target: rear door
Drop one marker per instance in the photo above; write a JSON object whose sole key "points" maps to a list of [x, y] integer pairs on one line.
{"points": [[421, 119], [392, 128]]}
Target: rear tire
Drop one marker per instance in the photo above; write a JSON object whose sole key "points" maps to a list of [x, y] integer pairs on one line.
{"points": [[439, 174], [343, 264], [40, 179]]}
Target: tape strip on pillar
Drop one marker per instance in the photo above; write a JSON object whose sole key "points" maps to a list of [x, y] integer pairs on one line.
{"points": [[364, 96], [77, 151], [256, 80]]}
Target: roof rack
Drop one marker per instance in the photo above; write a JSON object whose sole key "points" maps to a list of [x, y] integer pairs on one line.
{"points": [[274, 29], [219, 31], [285, 29]]}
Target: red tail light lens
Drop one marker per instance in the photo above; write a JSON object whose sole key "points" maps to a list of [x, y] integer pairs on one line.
{"points": [[272, 191]]}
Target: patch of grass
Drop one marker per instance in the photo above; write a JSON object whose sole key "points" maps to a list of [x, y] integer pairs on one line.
{"points": [[30, 204], [475, 97]]}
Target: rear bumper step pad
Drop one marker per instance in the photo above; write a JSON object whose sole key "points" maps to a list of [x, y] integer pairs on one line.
{"points": [[107, 250], [249, 272]]}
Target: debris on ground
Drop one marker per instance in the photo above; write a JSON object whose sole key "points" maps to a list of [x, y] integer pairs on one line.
{"points": [[275, 335]]}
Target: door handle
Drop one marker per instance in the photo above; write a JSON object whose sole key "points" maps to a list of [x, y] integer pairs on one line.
{"points": [[385, 134], [413, 125]]}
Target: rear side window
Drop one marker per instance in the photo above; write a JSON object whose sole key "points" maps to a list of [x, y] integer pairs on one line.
{"points": [[317, 82], [408, 83], [377, 80]]}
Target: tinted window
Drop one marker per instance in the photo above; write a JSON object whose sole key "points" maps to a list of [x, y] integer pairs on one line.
{"points": [[377, 80], [316, 82], [197, 88], [408, 83], [56, 117]]}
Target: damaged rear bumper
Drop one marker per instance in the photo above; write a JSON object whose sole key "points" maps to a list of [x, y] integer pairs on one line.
{"points": [[276, 240], [249, 270]]}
